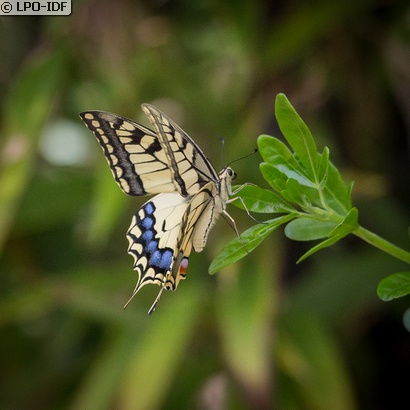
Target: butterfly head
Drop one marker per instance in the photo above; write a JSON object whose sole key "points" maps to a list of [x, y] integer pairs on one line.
{"points": [[226, 176], [228, 173]]}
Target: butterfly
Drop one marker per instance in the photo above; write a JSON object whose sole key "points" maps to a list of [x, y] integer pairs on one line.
{"points": [[190, 193]]}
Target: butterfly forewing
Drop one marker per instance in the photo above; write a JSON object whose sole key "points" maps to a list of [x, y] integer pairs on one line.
{"points": [[189, 166], [134, 153]]}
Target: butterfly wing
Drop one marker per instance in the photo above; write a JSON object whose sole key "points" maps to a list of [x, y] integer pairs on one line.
{"points": [[152, 238], [134, 153], [189, 166], [147, 162], [163, 233], [201, 214]]}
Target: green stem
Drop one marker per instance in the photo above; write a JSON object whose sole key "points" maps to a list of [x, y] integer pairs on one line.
{"points": [[382, 244]]}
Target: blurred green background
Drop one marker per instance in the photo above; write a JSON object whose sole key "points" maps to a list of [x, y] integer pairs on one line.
{"points": [[264, 333]]}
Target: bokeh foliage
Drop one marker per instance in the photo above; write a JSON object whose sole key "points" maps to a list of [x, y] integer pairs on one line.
{"points": [[263, 333]]}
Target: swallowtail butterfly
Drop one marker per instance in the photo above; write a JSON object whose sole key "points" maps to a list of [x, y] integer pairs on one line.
{"points": [[191, 194]]}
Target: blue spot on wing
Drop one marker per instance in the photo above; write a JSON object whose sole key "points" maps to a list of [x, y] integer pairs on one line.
{"points": [[161, 259], [151, 246], [155, 258], [149, 208], [166, 259], [147, 236], [147, 222]]}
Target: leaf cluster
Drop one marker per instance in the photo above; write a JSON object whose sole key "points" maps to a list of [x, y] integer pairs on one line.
{"points": [[309, 194]]}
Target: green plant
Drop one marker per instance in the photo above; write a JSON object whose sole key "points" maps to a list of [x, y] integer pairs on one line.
{"points": [[313, 201]]}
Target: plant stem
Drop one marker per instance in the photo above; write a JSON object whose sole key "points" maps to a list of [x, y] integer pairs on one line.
{"points": [[382, 244]]}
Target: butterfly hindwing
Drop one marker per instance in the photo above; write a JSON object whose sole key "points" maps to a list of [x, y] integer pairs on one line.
{"points": [[199, 217], [163, 232], [152, 238]]}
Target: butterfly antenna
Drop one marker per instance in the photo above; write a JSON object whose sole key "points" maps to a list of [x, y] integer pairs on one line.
{"points": [[245, 156], [222, 150]]}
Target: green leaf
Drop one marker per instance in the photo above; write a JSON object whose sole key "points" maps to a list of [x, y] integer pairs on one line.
{"points": [[261, 200], [324, 244], [274, 151], [297, 134], [251, 238], [281, 165], [308, 229], [348, 225], [394, 286], [324, 167], [278, 176], [292, 173], [337, 194], [275, 178], [301, 194], [345, 227], [292, 191]]}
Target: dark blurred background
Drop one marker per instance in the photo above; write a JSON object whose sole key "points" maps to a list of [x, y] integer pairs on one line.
{"points": [[264, 333]]}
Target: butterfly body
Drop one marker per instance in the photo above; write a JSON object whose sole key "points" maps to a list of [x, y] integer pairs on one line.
{"points": [[190, 193]]}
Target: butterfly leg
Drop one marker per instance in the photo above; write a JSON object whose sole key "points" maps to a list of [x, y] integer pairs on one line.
{"points": [[241, 187], [243, 204], [232, 223]]}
